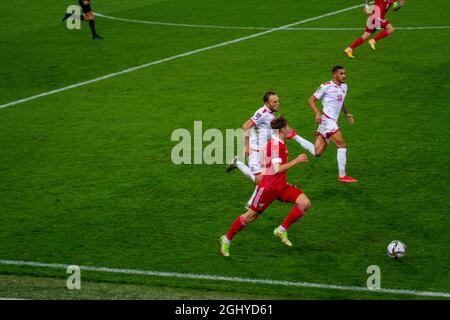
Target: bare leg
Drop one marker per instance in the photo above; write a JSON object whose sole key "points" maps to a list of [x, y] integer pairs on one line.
{"points": [[320, 145]]}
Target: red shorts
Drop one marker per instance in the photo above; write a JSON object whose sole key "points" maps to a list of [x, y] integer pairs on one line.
{"points": [[384, 24], [263, 198]]}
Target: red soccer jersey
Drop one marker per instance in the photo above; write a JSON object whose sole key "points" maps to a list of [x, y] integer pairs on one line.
{"points": [[384, 6], [275, 152]]}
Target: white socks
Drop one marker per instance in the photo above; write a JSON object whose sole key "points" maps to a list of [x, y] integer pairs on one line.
{"points": [[245, 170], [305, 144], [342, 160]]}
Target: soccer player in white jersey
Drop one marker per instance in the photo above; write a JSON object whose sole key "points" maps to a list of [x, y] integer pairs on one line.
{"points": [[259, 125], [332, 94]]}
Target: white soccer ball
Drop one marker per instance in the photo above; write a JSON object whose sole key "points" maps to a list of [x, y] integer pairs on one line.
{"points": [[396, 249]]}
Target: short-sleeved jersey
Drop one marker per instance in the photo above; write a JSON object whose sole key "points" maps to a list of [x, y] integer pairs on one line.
{"points": [[332, 97], [384, 6], [263, 131], [275, 152]]}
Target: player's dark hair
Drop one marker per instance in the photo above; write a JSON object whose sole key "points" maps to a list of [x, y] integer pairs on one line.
{"points": [[267, 95], [336, 68], [279, 123]]}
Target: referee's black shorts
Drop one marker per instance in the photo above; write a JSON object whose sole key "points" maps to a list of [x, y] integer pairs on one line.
{"points": [[85, 7]]}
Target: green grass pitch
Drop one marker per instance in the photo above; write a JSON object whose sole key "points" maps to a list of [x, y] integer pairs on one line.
{"points": [[86, 176]]}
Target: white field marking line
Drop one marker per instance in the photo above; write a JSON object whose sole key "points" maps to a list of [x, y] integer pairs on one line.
{"points": [[250, 28], [229, 279], [177, 24], [189, 53], [351, 29]]}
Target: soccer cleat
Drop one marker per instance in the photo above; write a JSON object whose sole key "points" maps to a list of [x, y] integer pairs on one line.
{"points": [[66, 16], [291, 133], [96, 37], [283, 236], [347, 179], [372, 43], [224, 247], [232, 165], [349, 53]]}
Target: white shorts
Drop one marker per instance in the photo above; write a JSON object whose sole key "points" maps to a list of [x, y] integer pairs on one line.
{"points": [[327, 128], [254, 163]]}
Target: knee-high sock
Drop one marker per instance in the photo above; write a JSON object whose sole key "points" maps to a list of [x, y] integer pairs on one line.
{"points": [[293, 216], [342, 160], [245, 170], [357, 43], [237, 226], [383, 34], [305, 144], [92, 26]]}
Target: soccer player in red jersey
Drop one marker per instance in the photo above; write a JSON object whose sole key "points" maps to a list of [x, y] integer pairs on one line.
{"points": [[376, 20], [273, 186]]}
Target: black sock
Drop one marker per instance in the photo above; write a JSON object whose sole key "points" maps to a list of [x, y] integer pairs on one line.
{"points": [[92, 26]]}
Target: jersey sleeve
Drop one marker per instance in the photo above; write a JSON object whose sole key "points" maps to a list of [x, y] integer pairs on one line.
{"points": [[320, 91], [257, 118]]}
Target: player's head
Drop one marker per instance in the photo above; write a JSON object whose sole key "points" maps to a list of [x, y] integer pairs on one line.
{"points": [[279, 124], [272, 101], [339, 74]]}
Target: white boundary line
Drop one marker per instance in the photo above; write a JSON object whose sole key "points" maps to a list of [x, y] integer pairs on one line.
{"points": [[189, 53], [228, 279], [251, 28]]}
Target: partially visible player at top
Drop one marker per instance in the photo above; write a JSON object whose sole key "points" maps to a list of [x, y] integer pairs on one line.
{"points": [[333, 95], [273, 186], [259, 124], [87, 16], [377, 19]]}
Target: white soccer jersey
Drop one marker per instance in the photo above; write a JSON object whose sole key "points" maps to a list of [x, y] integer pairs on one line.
{"points": [[263, 131], [332, 97]]}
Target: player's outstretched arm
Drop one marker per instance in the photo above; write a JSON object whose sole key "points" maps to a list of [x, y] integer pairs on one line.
{"points": [[247, 126], [279, 168], [312, 104]]}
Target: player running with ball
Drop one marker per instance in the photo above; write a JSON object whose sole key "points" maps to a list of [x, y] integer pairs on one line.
{"points": [[376, 20], [273, 186], [333, 95]]}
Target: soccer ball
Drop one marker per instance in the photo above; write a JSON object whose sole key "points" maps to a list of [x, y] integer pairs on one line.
{"points": [[396, 249]]}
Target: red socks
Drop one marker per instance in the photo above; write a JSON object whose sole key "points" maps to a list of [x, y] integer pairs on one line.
{"points": [[240, 224], [237, 226], [357, 43], [293, 216], [381, 35]]}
